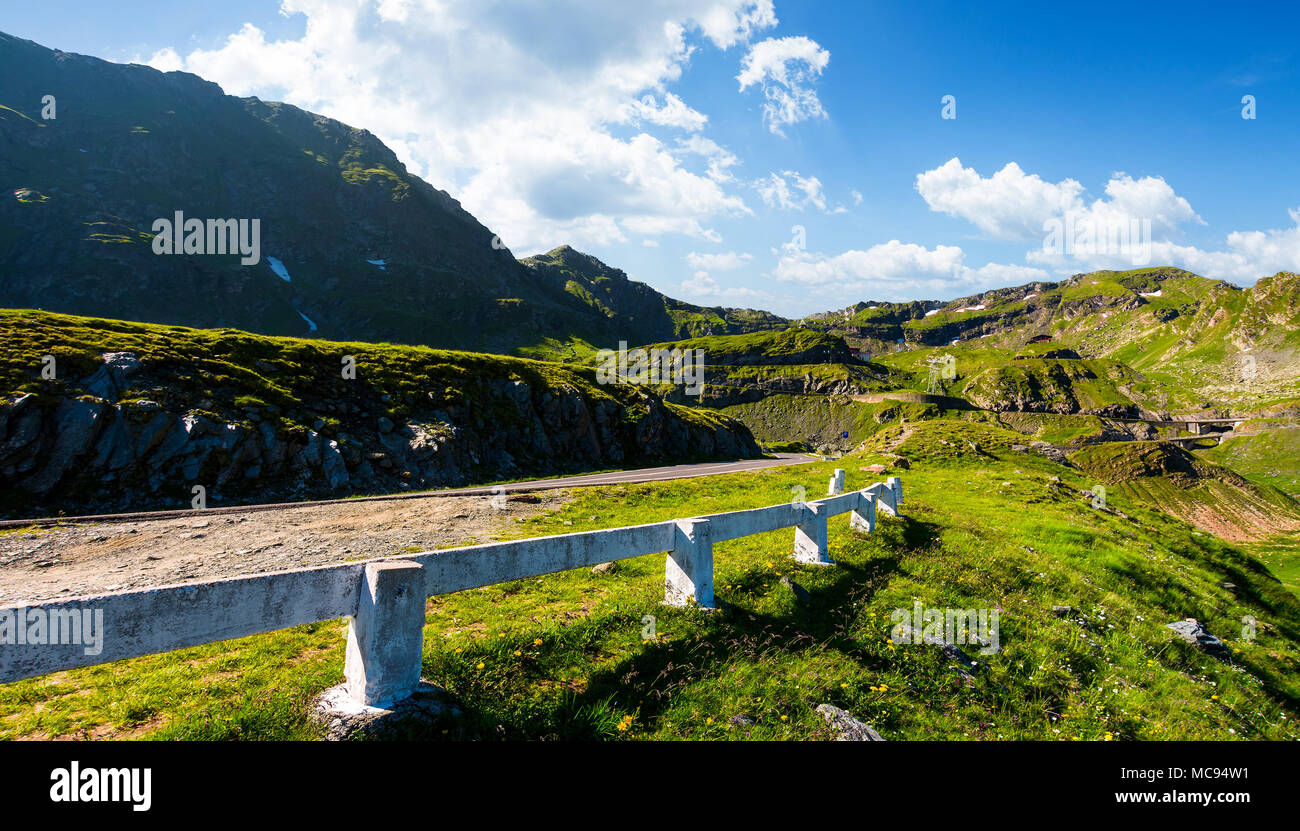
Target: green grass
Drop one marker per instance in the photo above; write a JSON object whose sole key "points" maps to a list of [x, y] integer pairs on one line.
{"points": [[565, 655], [1268, 458], [792, 346]]}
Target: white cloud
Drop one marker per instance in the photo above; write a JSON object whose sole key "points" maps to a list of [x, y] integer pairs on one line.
{"points": [[895, 271], [720, 160], [717, 262], [1012, 204], [790, 191], [673, 113], [1138, 222], [1008, 205], [701, 288], [165, 60], [1248, 256], [784, 68], [511, 108], [699, 285], [726, 26], [998, 274]]}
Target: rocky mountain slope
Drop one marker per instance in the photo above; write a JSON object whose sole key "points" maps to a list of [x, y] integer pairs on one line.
{"points": [[750, 367], [136, 415], [352, 246], [1172, 340], [630, 311], [1209, 496]]}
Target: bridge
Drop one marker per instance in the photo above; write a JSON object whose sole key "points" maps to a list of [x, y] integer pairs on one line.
{"points": [[1193, 424]]}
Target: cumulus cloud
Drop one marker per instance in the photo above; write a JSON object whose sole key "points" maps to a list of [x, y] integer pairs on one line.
{"points": [[717, 262], [165, 60], [1247, 255], [895, 271], [1010, 204], [719, 159], [701, 288], [727, 25], [672, 113], [1138, 222], [456, 86], [784, 69], [790, 191], [1014, 205]]}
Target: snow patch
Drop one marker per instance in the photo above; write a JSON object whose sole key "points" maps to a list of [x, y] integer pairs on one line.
{"points": [[1156, 293], [310, 323], [978, 308], [379, 263], [932, 312], [1030, 296], [279, 269]]}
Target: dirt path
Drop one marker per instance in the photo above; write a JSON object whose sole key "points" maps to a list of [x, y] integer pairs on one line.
{"points": [[94, 558]]}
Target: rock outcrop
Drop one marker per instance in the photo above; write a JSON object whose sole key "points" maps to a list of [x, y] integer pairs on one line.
{"points": [[89, 445]]}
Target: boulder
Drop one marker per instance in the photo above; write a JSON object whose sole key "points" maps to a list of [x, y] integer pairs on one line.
{"points": [[844, 727], [1191, 631], [111, 380]]}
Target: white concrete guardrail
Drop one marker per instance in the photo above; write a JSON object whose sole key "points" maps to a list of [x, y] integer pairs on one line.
{"points": [[385, 599]]}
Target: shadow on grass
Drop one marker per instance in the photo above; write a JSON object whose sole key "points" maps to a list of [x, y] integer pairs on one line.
{"points": [[647, 681]]}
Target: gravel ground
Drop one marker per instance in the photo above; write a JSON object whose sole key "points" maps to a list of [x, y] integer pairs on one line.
{"points": [[87, 559]]}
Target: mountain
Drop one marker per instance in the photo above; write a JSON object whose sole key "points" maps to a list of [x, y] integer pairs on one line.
{"points": [[630, 311], [352, 245], [1159, 339]]}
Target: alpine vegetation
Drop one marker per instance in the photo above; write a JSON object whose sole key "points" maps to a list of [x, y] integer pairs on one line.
{"points": [[674, 366]]}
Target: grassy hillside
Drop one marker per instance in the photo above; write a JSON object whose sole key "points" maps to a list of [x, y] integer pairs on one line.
{"points": [[626, 310], [1269, 458], [566, 656], [821, 422], [789, 346], [1209, 496], [1190, 342], [241, 411]]}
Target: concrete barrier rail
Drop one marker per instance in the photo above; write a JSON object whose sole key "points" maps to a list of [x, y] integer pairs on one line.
{"points": [[384, 599]]}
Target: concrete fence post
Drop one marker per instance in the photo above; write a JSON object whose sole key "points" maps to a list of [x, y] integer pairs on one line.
{"points": [[896, 486], [386, 635], [886, 501], [863, 517], [837, 483], [810, 535], [688, 570]]}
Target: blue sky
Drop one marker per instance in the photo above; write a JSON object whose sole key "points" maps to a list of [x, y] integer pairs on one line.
{"points": [[538, 121]]}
